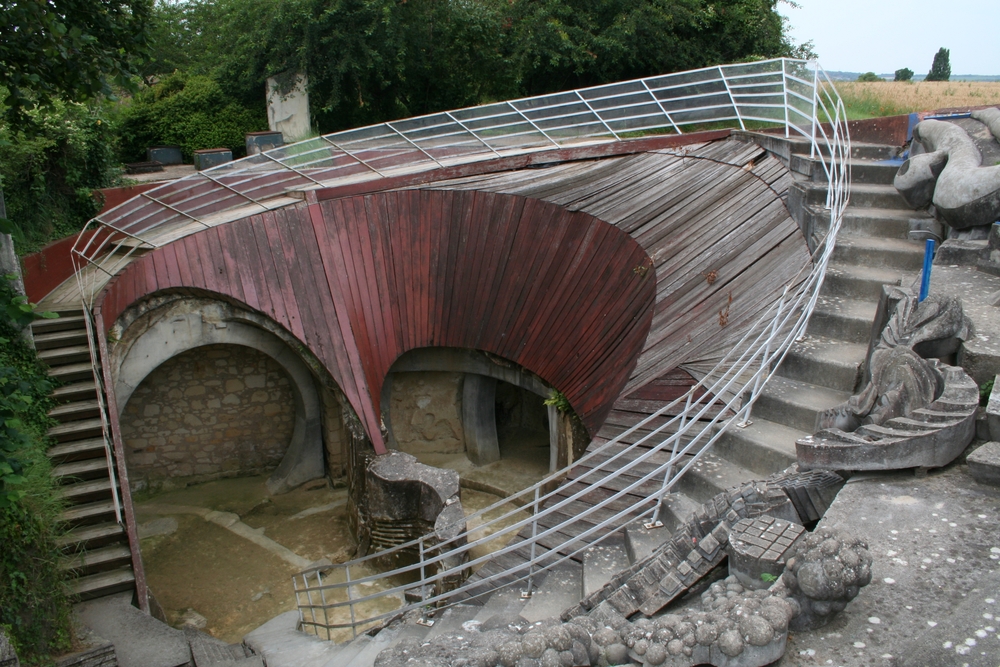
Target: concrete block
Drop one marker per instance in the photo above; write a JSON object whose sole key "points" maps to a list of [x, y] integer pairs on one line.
{"points": [[600, 563], [984, 464], [993, 411], [641, 542], [207, 158], [562, 588]]}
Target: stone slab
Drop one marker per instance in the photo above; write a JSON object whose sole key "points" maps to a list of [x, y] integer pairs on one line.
{"points": [[993, 411], [140, 640], [600, 563], [561, 589], [936, 573], [980, 355], [641, 542], [984, 464]]}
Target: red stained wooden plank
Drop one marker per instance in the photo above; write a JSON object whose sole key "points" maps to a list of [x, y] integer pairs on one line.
{"points": [[209, 271], [169, 255], [227, 251], [294, 320], [276, 307], [248, 262]]}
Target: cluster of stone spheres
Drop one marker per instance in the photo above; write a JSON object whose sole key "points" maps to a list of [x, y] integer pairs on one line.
{"points": [[743, 620]]}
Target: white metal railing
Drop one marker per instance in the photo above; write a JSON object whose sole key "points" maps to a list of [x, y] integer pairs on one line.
{"points": [[792, 94]]}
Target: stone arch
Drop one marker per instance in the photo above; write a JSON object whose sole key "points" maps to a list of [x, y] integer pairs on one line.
{"points": [[186, 324]]}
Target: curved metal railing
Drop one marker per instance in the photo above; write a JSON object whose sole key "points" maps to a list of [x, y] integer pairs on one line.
{"points": [[329, 599]]}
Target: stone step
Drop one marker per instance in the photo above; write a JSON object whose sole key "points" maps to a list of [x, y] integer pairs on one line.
{"points": [[82, 492], [103, 583], [73, 373], [763, 446], [93, 560], [641, 542], [849, 320], [859, 150], [366, 656], [505, 601], [57, 339], [91, 536], [795, 403], [865, 195], [825, 361], [62, 356], [77, 391], [862, 171], [858, 281], [86, 469], [450, 619], [281, 644], [76, 411], [89, 513], [77, 430], [562, 588], [76, 450], [207, 651], [710, 475], [873, 251], [68, 322], [602, 562], [863, 221]]}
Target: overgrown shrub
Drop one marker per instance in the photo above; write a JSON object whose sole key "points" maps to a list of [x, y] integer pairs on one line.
{"points": [[189, 111], [903, 74], [50, 167], [869, 77], [34, 609]]}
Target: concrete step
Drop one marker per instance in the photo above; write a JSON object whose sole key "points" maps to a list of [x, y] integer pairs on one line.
{"points": [[763, 447], [849, 320], [73, 373], [86, 469], [90, 537], [67, 322], [859, 150], [76, 411], [795, 403], [862, 221], [140, 640], [89, 491], [366, 656], [602, 562], [77, 430], [98, 585], [62, 356], [93, 560], [76, 450], [862, 171], [281, 644], [89, 513], [865, 195], [207, 651], [710, 475], [77, 391], [562, 588], [641, 542], [57, 339], [505, 601], [856, 281], [451, 619], [873, 251], [825, 361]]}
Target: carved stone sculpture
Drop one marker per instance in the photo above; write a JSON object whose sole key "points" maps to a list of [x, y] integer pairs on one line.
{"points": [[914, 411], [951, 175]]}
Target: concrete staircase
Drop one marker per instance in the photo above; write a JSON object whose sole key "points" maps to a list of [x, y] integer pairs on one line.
{"points": [[95, 544]]}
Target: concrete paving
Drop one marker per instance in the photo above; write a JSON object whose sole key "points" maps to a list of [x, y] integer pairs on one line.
{"points": [[140, 640]]}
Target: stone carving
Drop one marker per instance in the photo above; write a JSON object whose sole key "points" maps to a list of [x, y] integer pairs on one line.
{"points": [[758, 549], [914, 411], [699, 545], [950, 174], [824, 572], [8, 656]]}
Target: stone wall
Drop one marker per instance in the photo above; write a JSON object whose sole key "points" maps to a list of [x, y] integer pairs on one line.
{"points": [[425, 412], [217, 410], [334, 435]]}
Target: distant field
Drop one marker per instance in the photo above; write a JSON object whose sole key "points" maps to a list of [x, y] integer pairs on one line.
{"points": [[870, 100]]}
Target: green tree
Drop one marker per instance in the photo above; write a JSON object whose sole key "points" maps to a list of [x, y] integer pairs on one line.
{"points": [[904, 74], [869, 77], [74, 49], [941, 67]]}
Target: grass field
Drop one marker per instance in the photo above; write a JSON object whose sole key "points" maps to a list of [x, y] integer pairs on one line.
{"points": [[889, 98]]}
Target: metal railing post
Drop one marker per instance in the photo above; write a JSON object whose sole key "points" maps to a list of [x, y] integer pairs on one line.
{"points": [[526, 593], [812, 132], [655, 522], [764, 363], [736, 109], [350, 600]]}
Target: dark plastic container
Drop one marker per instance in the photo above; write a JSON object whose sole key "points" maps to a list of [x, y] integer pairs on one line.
{"points": [[206, 158], [164, 154]]}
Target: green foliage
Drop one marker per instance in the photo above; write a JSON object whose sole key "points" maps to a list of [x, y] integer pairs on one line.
{"points": [[188, 110], [33, 604], [941, 67], [767, 577], [985, 390], [50, 166], [66, 49], [869, 77], [904, 74], [375, 60], [559, 400]]}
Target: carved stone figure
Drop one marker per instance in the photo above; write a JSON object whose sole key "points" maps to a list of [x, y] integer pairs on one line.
{"points": [[950, 174]]}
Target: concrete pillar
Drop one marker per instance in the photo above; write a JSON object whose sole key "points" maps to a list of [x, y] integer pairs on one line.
{"points": [[479, 419]]}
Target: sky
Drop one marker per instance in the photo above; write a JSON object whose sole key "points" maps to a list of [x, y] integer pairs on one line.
{"points": [[882, 36]]}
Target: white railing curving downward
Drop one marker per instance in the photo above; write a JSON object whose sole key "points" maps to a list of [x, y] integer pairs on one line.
{"points": [[338, 599], [791, 94]]}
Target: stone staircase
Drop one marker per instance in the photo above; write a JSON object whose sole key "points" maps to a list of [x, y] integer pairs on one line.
{"points": [[95, 544]]}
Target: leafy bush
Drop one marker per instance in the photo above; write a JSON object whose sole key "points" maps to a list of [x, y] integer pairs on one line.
{"points": [[869, 77], [34, 609], [50, 167], [189, 111], [904, 74]]}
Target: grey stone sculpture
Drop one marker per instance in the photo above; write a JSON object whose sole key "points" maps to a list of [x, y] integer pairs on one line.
{"points": [[914, 412], [950, 174], [8, 656]]}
